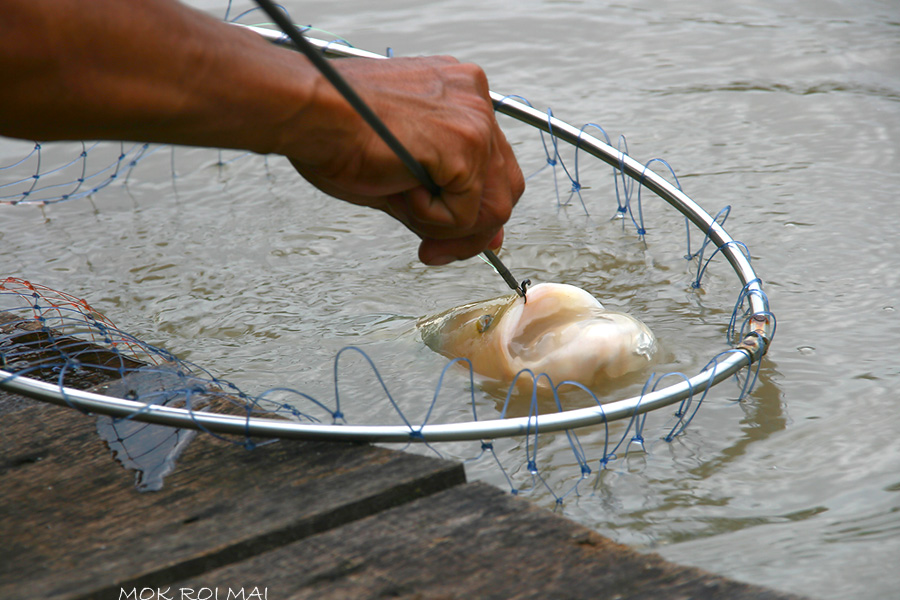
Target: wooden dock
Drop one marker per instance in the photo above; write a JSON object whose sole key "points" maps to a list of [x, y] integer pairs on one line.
{"points": [[290, 520]]}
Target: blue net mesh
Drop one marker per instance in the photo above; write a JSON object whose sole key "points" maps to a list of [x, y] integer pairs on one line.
{"points": [[51, 336]]}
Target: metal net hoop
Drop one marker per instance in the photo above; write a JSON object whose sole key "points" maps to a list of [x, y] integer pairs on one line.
{"points": [[756, 332]]}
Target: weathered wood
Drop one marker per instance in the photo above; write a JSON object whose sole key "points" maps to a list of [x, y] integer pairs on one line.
{"points": [[286, 520], [25, 343], [72, 524], [472, 541]]}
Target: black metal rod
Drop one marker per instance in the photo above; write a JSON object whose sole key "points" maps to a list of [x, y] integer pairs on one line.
{"points": [[505, 274]]}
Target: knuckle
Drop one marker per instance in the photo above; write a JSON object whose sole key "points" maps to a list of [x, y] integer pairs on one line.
{"points": [[446, 59], [500, 213], [474, 72], [518, 183], [476, 133]]}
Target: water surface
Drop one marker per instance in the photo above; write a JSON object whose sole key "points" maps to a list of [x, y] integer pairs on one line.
{"points": [[787, 113]]}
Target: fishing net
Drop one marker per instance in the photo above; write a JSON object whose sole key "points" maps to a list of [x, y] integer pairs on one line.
{"points": [[57, 348]]}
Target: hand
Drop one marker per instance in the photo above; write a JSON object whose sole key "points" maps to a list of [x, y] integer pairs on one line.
{"points": [[441, 111], [171, 74]]}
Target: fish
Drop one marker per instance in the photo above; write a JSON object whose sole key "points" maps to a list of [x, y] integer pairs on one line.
{"points": [[561, 330]]}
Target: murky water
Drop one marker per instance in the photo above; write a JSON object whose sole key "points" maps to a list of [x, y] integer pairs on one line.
{"points": [[790, 113]]}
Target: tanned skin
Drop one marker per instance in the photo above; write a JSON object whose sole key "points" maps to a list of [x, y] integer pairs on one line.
{"points": [[159, 71]]}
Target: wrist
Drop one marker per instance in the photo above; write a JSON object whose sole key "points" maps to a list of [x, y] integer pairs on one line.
{"points": [[321, 129]]}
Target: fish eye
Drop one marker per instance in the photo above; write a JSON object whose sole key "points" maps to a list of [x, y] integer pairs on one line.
{"points": [[483, 322]]}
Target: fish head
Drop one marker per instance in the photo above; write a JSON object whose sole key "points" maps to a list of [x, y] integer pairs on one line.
{"points": [[561, 330], [470, 331]]}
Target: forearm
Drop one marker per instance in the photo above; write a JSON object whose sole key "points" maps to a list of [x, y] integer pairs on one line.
{"points": [[146, 70], [157, 71]]}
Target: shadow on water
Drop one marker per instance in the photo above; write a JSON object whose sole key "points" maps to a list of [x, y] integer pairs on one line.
{"points": [[763, 417], [151, 451]]}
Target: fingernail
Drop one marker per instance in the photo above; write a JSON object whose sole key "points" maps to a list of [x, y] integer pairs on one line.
{"points": [[438, 261]]}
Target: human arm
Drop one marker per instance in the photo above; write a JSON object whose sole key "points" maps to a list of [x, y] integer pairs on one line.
{"points": [[159, 71]]}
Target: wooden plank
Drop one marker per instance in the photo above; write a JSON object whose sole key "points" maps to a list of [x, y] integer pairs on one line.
{"points": [[73, 525], [287, 520], [472, 541]]}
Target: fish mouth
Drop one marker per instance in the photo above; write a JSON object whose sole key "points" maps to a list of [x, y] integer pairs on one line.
{"points": [[532, 328], [566, 333]]}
